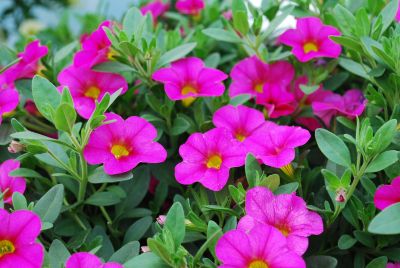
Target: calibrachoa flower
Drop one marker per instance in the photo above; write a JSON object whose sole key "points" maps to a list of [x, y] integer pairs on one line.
{"points": [[190, 7], [276, 100], [387, 195], [88, 260], [275, 145], [87, 86], [351, 104], [311, 40], [393, 265], [188, 78], [261, 247], [207, 159], [9, 100], [17, 240], [10, 184], [123, 144], [251, 74], [156, 8], [240, 121], [286, 212]]}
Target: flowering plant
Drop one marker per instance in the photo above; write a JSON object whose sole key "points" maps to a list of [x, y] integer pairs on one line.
{"points": [[204, 133]]}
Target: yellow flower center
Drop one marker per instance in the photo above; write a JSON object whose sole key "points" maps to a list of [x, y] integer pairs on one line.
{"points": [[188, 89], [240, 137], [92, 92], [258, 264], [310, 46], [259, 88], [214, 161], [6, 247], [111, 54], [119, 151], [285, 230], [188, 101]]}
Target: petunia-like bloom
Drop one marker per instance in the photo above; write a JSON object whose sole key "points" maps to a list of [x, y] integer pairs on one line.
{"points": [[276, 100], [387, 195], [397, 18], [88, 260], [188, 78], [87, 86], [275, 145], [9, 99], [123, 144], [190, 7], [240, 121], [9, 184], [286, 212], [350, 105], [261, 247], [311, 40], [251, 74], [18, 233], [208, 157], [393, 265], [156, 8]]}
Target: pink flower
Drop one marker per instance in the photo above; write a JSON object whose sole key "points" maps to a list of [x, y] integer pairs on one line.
{"points": [[9, 100], [311, 40], [351, 104], [251, 74], [393, 265], [397, 18], [277, 101], [261, 247], [156, 8], [87, 86], [18, 235], [123, 144], [387, 195], [227, 14], [189, 78], [286, 212], [10, 184], [240, 121], [190, 7], [207, 159], [275, 145], [88, 260]]}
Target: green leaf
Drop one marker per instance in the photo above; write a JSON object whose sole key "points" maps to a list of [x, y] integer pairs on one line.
{"points": [[179, 126], [137, 230], [146, 260], [64, 52], [126, 252], [240, 19], [287, 188], [346, 242], [321, 261], [214, 232], [133, 22], [64, 118], [222, 35], [387, 222], [58, 254], [252, 169], [272, 182], [309, 89], [333, 147], [240, 99], [379, 262], [384, 136], [388, 14], [355, 67], [19, 201], [46, 96], [99, 176], [175, 223], [49, 205], [345, 19], [348, 42], [175, 54], [382, 161], [26, 173], [103, 199]]}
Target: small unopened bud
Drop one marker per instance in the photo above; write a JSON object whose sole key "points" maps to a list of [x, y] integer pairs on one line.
{"points": [[145, 249], [341, 195], [15, 147], [288, 170], [161, 219]]}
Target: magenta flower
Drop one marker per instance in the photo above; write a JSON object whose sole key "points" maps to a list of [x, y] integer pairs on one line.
{"points": [[275, 145], [188, 78], [397, 18], [9, 99], [88, 260], [251, 74], [276, 100], [286, 212], [122, 145], [156, 8], [18, 234], [208, 157], [190, 7], [87, 86], [311, 40], [261, 247], [387, 195], [240, 121], [393, 265], [351, 104], [9, 184]]}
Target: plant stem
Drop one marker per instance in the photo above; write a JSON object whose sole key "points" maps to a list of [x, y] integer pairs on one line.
{"points": [[84, 179]]}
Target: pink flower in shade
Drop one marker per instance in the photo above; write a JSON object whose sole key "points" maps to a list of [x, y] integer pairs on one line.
{"points": [[276, 100], [190, 7], [10, 184], [261, 247], [393, 265], [275, 145], [249, 76], [31, 108], [351, 105], [240, 121], [227, 14], [397, 18], [9, 100], [189, 78], [87, 86], [96, 48], [311, 40], [156, 8], [387, 195], [88, 260], [123, 144], [207, 159], [18, 234], [286, 212]]}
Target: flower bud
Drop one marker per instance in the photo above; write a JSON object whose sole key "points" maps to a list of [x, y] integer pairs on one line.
{"points": [[15, 147]]}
